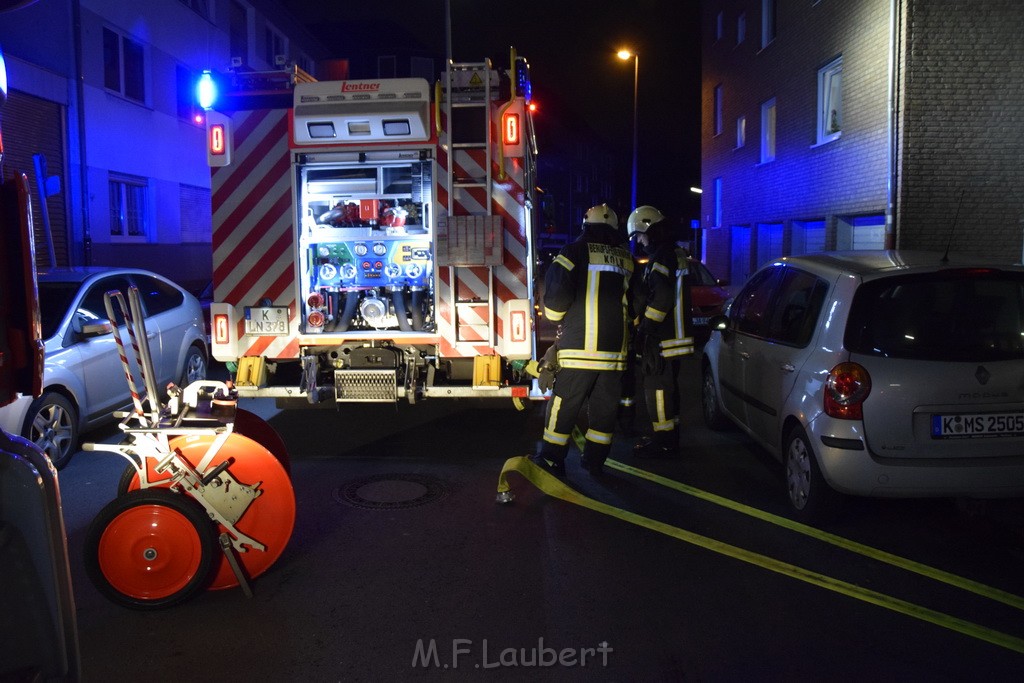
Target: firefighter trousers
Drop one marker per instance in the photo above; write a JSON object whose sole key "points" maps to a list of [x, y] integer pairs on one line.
{"points": [[661, 397], [601, 390]]}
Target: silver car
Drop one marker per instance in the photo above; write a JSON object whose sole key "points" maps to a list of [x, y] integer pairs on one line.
{"points": [[876, 373], [83, 378]]}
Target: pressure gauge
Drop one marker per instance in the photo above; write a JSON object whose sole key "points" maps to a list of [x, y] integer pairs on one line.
{"points": [[360, 249], [379, 248]]}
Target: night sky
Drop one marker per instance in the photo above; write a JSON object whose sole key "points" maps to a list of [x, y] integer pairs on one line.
{"points": [[576, 76]]}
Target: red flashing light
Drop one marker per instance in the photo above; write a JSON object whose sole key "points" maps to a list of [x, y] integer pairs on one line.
{"points": [[218, 139], [533, 106], [510, 128]]}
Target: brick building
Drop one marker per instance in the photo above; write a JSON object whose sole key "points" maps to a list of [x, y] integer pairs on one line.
{"points": [[855, 125]]}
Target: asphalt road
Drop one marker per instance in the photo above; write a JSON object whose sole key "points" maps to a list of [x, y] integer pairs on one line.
{"points": [[401, 566]]}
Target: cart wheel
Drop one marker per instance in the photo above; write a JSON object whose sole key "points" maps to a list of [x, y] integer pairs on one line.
{"points": [[150, 549], [270, 517]]}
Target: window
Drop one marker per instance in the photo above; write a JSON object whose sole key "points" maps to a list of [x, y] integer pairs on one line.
{"points": [[156, 295], [750, 310], [808, 237], [797, 306], [717, 198], [830, 101], [741, 131], [195, 218], [767, 22], [952, 316], [769, 242], [239, 32], [124, 66], [200, 7], [719, 25], [128, 206], [93, 309], [741, 28], [860, 232], [718, 109], [276, 46], [768, 131]]}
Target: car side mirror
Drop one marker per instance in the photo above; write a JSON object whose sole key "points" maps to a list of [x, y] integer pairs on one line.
{"points": [[91, 329], [718, 322]]}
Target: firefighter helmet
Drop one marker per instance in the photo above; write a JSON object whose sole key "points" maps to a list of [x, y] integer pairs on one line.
{"points": [[642, 218], [602, 213]]}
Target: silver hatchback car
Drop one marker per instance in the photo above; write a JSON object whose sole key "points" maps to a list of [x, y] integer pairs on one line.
{"points": [[876, 373], [83, 378]]}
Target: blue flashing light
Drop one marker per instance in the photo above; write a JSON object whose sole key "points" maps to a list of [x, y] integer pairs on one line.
{"points": [[206, 90], [522, 79]]}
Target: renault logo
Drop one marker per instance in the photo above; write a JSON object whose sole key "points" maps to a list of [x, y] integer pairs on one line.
{"points": [[982, 375]]}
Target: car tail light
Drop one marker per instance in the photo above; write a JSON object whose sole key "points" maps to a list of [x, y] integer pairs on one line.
{"points": [[847, 386]]}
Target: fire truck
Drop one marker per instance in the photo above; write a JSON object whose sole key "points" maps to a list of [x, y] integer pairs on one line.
{"points": [[374, 239]]}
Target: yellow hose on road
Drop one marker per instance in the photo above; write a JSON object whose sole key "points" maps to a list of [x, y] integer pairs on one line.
{"points": [[556, 488]]}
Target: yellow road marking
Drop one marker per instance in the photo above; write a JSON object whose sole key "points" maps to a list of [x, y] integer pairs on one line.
{"points": [[838, 541], [558, 489]]}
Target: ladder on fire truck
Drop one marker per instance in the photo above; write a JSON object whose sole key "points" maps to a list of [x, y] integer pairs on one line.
{"points": [[468, 95]]}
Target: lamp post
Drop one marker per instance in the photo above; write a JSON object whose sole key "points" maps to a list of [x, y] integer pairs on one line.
{"points": [[626, 55]]}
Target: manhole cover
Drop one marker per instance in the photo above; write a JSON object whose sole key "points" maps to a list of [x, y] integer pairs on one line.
{"points": [[391, 491]]}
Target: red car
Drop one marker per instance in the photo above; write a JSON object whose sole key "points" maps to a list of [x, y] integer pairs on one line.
{"points": [[708, 295]]}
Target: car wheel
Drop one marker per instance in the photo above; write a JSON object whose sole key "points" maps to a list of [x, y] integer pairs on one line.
{"points": [[811, 497], [714, 418], [195, 367], [52, 424]]}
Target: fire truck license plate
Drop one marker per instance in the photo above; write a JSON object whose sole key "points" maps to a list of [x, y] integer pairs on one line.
{"points": [[266, 321], [972, 426]]}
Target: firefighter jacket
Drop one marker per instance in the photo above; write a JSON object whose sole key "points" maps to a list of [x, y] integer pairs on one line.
{"points": [[586, 290], [663, 302]]}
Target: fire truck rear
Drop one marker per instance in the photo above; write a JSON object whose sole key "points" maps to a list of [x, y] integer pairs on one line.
{"points": [[374, 239]]}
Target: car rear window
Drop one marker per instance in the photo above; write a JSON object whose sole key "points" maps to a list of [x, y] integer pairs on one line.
{"points": [[952, 315]]}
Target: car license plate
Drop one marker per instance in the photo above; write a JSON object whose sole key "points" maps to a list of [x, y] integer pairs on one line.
{"points": [[266, 321], [974, 426], [700, 320]]}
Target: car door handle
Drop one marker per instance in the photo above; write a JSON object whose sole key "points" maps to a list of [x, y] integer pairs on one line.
{"points": [[787, 367]]}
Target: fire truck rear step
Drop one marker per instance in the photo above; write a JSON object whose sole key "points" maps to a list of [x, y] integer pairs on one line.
{"points": [[368, 386]]}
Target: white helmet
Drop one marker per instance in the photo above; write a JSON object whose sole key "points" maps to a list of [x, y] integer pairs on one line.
{"points": [[642, 218], [602, 213]]}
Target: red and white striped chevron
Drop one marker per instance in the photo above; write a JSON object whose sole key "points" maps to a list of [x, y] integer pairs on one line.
{"points": [[253, 231], [511, 279]]}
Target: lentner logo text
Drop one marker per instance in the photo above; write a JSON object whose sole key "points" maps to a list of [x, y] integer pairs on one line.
{"points": [[467, 653]]}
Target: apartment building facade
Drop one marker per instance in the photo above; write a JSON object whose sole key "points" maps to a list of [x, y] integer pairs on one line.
{"points": [[832, 125], [103, 91]]}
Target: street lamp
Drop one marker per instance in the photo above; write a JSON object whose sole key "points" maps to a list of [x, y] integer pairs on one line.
{"points": [[627, 55]]}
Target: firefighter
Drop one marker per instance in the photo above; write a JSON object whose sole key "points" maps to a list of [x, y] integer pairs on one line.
{"points": [[663, 334], [586, 292]]}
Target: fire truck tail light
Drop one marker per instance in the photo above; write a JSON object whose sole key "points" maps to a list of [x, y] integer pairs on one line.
{"points": [[510, 128], [220, 330]]}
